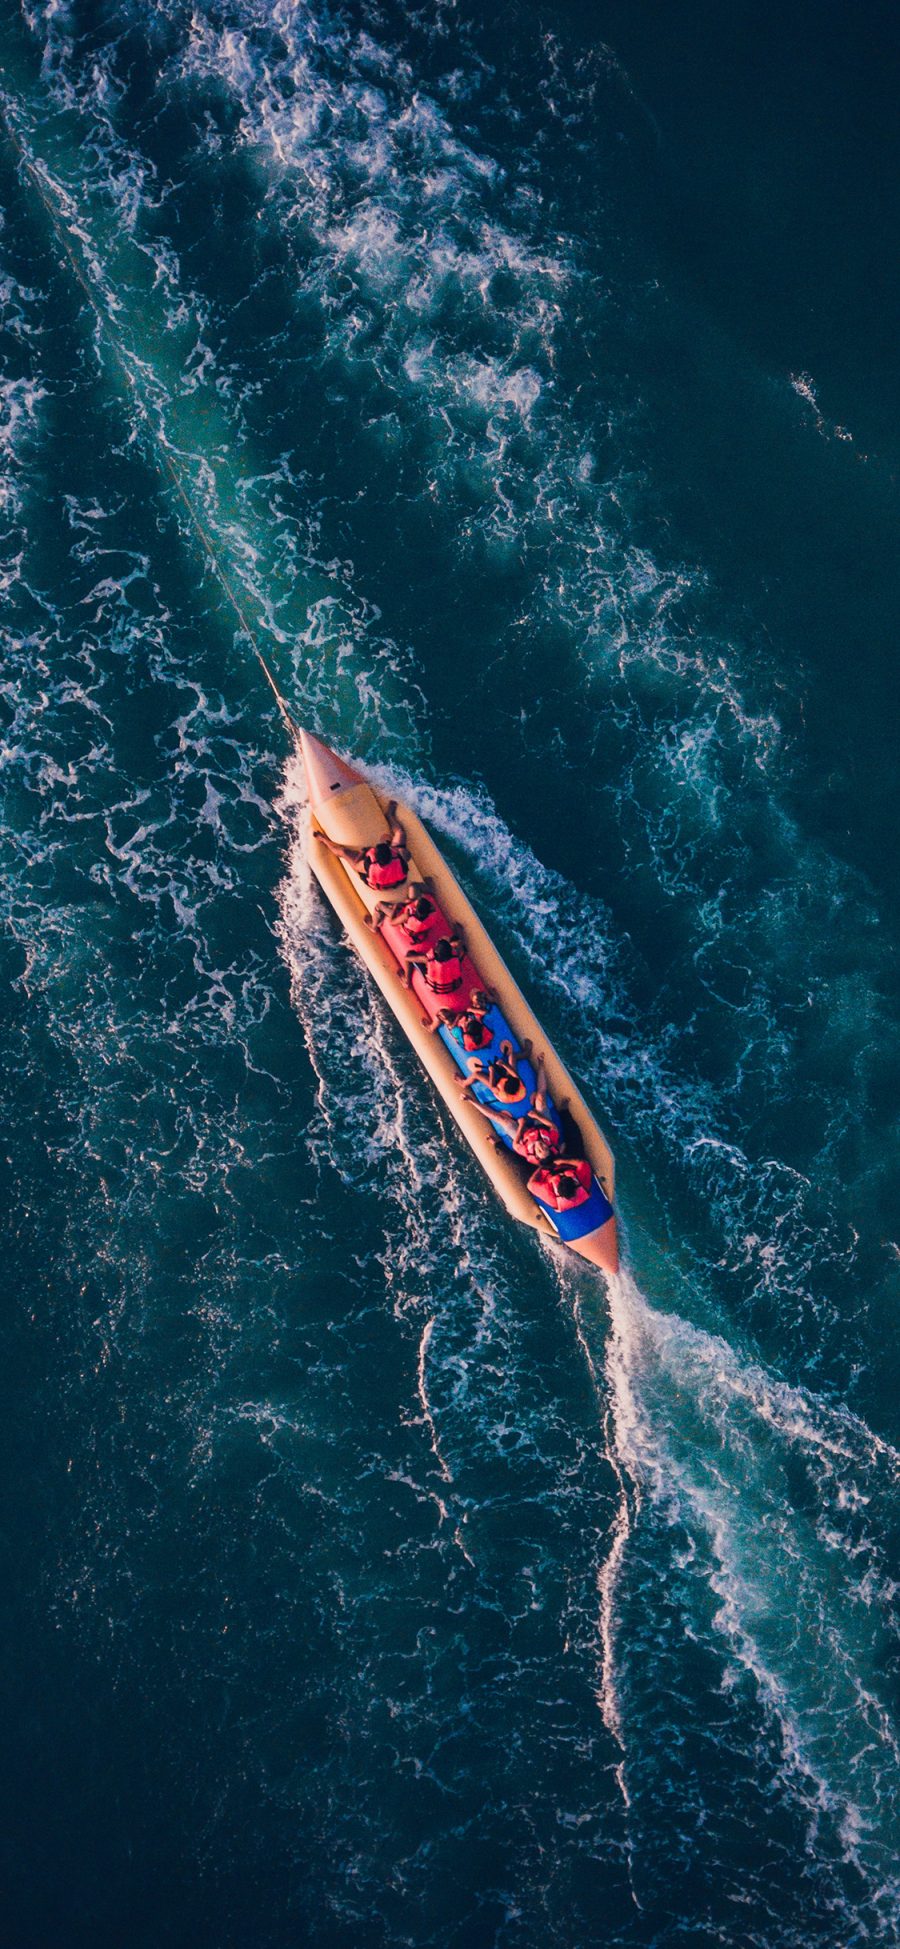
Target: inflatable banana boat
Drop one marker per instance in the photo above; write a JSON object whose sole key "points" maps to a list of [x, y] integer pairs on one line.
{"points": [[485, 1052]]}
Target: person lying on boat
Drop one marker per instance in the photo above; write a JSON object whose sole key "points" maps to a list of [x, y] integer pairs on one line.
{"points": [[563, 1184], [383, 865], [467, 1027], [535, 1136], [439, 966], [416, 916], [501, 1077]]}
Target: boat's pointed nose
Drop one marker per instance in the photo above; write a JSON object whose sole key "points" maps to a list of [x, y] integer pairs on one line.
{"points": [[326, 773]]}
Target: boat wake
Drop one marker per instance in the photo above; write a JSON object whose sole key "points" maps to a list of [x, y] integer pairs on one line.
{"points": [[775, 1505], [744, 1516], [670, 1509]]}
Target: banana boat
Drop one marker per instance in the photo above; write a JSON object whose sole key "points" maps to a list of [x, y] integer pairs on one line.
{"points": [[470, 1025]]}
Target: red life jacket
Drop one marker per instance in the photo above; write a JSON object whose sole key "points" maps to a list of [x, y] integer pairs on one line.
{"points": [[543, 1184], [414, 928], [532, 1134], [540, 1184], [475, 1033], [390, 875], [443, 976], [580, 1170]]}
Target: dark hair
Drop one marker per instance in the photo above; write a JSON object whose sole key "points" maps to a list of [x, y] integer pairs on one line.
{"points": [[566, 1186], [506, 1083], [480, 1000], [443, 950], [384, 853], [423, 907]]}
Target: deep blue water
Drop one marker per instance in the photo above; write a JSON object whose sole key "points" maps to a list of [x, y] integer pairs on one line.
{"points": [[528, 389]]}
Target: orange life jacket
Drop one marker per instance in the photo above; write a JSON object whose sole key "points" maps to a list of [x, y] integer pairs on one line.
{"points": [[509, 1087]]}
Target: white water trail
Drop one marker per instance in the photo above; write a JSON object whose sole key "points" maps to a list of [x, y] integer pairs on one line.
{"points": [[422, 1391], [800, 1600], [701, 1438]]}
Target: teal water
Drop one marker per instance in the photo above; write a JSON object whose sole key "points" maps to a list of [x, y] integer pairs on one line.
{"points": [[374, 1578]]}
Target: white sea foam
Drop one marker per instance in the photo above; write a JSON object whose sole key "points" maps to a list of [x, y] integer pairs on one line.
{"points": [[691, 1422], [347, 675], [689, 1431], [20, 403], [806, 389], [715, 1444], [366, 153]]}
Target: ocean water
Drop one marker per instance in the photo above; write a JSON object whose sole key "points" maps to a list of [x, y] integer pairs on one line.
{"points": [[526, 388]]}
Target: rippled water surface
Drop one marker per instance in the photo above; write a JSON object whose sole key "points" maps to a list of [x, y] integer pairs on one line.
{"points": [[526, 387]]}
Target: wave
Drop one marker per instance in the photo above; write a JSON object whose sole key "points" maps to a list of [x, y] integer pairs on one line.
{"points": [[769, 1221], [376, 193], [783, 1499], [777, 1503], [804, 385], [745, 1603], [151, 329], [717, 1483], [450, 306]]}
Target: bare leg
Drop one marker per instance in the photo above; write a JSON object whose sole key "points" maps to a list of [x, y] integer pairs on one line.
{"points": [[540, 1095], [396, 835], [509, 1056], [506, 1122], [444, 1019], [352, 853]]}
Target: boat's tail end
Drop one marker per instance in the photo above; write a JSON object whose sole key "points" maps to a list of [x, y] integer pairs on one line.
{"points": [[600, 1248]]}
